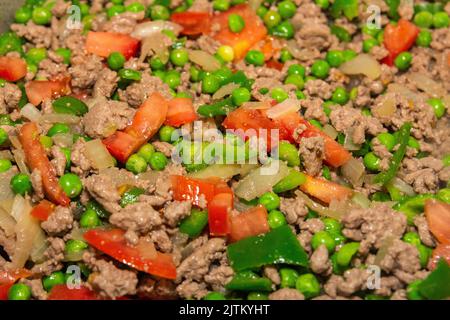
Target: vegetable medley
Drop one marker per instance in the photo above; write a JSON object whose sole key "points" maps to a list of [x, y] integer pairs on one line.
{"points": [[225, 149]]}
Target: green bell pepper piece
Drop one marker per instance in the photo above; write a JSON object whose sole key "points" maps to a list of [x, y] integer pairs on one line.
{"points": [[437, 285], [98, 208], [131, 196], [70, 105], [413, 206], [239, 78], [348, 7], [393, 8], [341, 33], [220, 108], [249, 281], [291, 181], [279, 245], [195, 223]]}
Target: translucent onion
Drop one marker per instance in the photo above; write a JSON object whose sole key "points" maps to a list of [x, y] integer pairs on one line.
{"points": [[288, 106], [362, 64], [204, 60], [157, 44], [146, 249], [261, 180], [19, 158], [145, 29], [383, 250], [40, 244], [98, 155], [402, 186], [256, 105], [361, 200], [74, 256], [150, 176], [64, 140], [353, 170], [425, 83], [15, 142], [6, 154], [59, 118], [30, 112], [320, 209], [77, 234], [348, 142], [7, 223], [225, 90], [404, 91], [386, 108], [6, 193], [222, 171], [18, 207], [330, 131]]}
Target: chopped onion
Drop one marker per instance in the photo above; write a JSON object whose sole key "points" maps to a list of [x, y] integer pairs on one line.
{"points": [[204, 59], [18, 207], [353, 170], [361, 200], [7, 223], [77, 234], [40, 244], [222, 171], [145, 29], [225, 90], [119, 177], [425, 83], [6, 192], [330, 131], [386, 108], [64, 140], [19, 158], [15, 142], [157, 44], [404, 91], [6, 154], [239, 206], [294, 50], [74, 256], [146, 249], [60, 118], [286, 107], [98, 155], [320, 209], [256, 105], [261, 180], [30, 112], [384, 249], [362, 64], [150, 176], [402, 186], [348, 142]]}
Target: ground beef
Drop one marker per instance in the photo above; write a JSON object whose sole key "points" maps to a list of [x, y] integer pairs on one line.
{"points": [[164, 147], [59, 221], [294, 209], [351, 281], [312, 151], [53, 257], [107, 116], [286, 294], [81, 165], [104, 190], [379, 52], [319, 262], [256, 72], [424, 232], [60, 7], [36, 182], [388, 285], [161, 239], [218, 277], [106, 83], [136, 93], [37, 289], [423, 174], [271, 272], [373, 225], [85, 70], [381, 152], [319, 88], [10, 95], [189, 289], [406, 9], [208, 44], [52, 67], [314, 110], [139, 217], [123, 23], [39, 36], [175, 211], [136, 64], [59, 160], [201, 6]]}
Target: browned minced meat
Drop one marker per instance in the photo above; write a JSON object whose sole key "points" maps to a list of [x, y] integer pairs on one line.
{"points": [[319, 88], [175, 211], [294, 209], [271, 272], [10, 95], [53, 257], [52, 67], [106, 83], [124, 22], [39, 36], [59, 221], [59, 160], [60, 7], [110, 281], [208, 44], [104, 190], [37, 289], [286, 294], [312, 151], [351, 281], [424, 232], [107, 116], [314, 110], [424, 174], [164, 147], [319, 261], [161, 239], [136, 93], [81, 165], [85, 70], [201, 6], [381, 152], [373, 225]]}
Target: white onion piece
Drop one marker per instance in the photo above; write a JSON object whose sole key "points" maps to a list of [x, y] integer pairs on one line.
{"points": [[222, 171], [145, 29], [204, 59], [427, 84], [404, 91], [64, 140], [361, 200], [15, 142], [362, 64], [156, 43], [6, 192], [348, 142], [320, 209], [30, 112], [256, 105], [261, 180], [402, 186], [6, 154], [286, 107], [77, 234], [18, 207], [225, 90], [98, 155], [59, 117], [384, 249], [386, 108], [40, 244], [150, 176], [353, 170], [7, 223], [330, 131], [74, 256], [19, 158]]}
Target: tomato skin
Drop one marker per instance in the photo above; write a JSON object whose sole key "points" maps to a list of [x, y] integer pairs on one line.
{"points": [[8, 278], [62, 292], [38, 91], [442, 251], [273, 64], [193, 23], [43, 210], [104, 43], [437, 214], [36, 158], [112, 242], [12, 68], [185, 188], [180, 111], [325, 190], [249, 223], [146, 122], [399, 38], [219, 214]]}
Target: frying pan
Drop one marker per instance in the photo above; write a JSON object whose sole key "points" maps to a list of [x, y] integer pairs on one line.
{"points": [[7, 10]]}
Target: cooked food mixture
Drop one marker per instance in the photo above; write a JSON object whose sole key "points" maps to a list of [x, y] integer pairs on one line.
{"points": [[226, 149]]}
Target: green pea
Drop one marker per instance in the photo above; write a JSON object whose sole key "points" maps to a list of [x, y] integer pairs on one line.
{"points": [[370, 30], [403, 61], [19, 291], [334, 58], [3, 136], [269, 200], [9, 41], [285, 55], [413, 143], [296, 69], [158, 161], [323, 237], [272, 18], [23, 15], [210, 83], [116, 61], [165, 133], [326, 172], [350, 54], [276, 219], [223, 74], [323, 4], [255, 57], [46, 141], [71, 184], [236, 23], [380, 196], [130, 74], [146, 152], [368, 44], [257, 296], [214, 296], [21, 184], [156, 63], [158, 12], [316, 123], [279, 94], [36, 55], [289, 153], [240, 95], [308, 285], [388, 140], [58, 128], [424, 38], [89, 219], [286, 9], [173, 79], [320, 69], [413, 292], [296, 80], [179, 57], [226, 53], [84, 8], [371, 161], [135, 7], [74, 246], [446, 160], [441, 20], [41, 15], [340, 96], [444, 195], [288, 277], [136, 164], [438, 106], [291, 181], [284, 30], [423, 19], [65, 54], [341, 33], [52, 280], [221, 5], [117, 1], [346, 253], [332, 225], [195, 223], [5, 165]]}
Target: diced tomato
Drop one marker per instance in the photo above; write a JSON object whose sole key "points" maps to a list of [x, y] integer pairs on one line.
{"points": [[253, 32], [438, 218], [274, 64], [219, 209], [12, 68], [38, 91], [146, 122], [36, 158], [325, 190], [43, 210], [62, 292], [193, 23], [104, 43], [185, 188], [8, 278], [249, 223], [442, 251], [399, 38], [113, 243], [180, 111], [220, 186]]}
